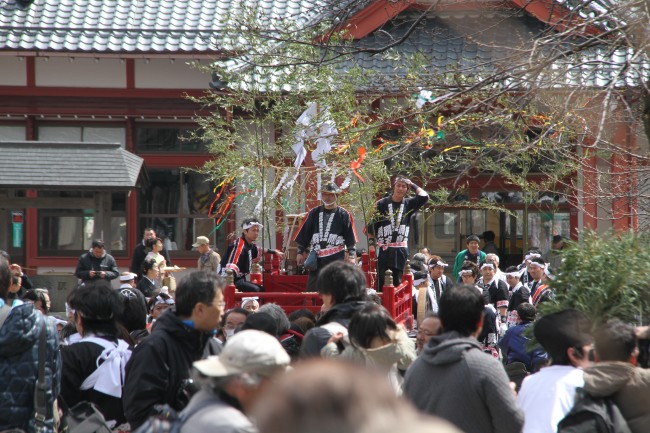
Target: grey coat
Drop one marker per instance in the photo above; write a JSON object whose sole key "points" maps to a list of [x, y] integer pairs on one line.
{"points": [[218, 417], [455, 380]]}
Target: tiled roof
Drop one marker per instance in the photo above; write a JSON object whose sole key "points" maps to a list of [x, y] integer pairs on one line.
{"points": [[79, 166], [137, 26]]}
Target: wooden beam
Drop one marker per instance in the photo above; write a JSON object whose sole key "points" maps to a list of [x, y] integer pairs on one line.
{"points": [[372, 17], [46, 203]]}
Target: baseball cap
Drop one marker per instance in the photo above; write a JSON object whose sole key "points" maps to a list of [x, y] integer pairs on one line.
{"points": [[201, 240], [248, 351]]}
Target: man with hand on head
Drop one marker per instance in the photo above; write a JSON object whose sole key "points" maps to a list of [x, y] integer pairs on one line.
{"points": [[327, 232], [243, 252], [388, 231]]}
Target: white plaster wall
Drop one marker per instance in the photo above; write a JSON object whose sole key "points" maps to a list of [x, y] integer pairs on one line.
{"points": [[165, 74], [81, 72], [12, 71]]}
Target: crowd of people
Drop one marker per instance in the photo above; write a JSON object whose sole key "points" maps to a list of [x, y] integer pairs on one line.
{"points": [[481, 360]]}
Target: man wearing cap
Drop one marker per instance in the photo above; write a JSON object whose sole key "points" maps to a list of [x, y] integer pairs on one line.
{"points": [[140, 252], [548, 395], [389, 229], [233, 382], [243, 252], [438, 282], [127, 280], [328, 231], [472, 254], [209, 260]]}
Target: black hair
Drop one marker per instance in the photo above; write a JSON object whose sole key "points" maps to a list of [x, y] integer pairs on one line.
{"points": [[343, 280], [489, 236], [369, 322], [147, 265], [98, 307], [5, 277], [615, 341], [148, 229], [249, 220], [149, 243], [471, 238], [97, 243], [510, 269], [538, 260], [15, 277], [425, 248], [461, 308], [197, 287], [558, 332], [262, 322], [471, 266], [134, 312], [533, 250], [295, 315], [152, 301], [526, 312], [39, 295]]}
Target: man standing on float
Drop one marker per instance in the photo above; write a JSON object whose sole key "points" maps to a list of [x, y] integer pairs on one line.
{"points": [[388, 231], [328, 230]]}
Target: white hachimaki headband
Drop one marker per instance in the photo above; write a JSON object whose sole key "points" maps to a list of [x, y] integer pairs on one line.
{"points": [[161, 300], [513, 274], [537, 265], [251, 224], [488, 265], [465, 272], [245, 301], [419, 281], [532, 256], [438, 263]]}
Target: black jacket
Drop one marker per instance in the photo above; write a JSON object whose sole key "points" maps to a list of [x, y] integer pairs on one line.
{"points": [[160, 367], [316, 338], [88, 262]]}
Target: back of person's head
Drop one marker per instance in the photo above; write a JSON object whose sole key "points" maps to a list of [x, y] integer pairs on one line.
{"points": [[278, 314], [323, 396], [526, 312], [98, 307], [197, 287], [304, 312], [461, 309], [615, 341], [5, 278], [418, 258], [370, 322], [343, 281], [36, 295], [302, 324], [489, 236], [558, 332], [6, 255], [134, 312], [261, 321]]}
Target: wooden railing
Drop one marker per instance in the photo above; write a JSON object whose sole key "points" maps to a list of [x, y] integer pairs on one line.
{"points": [[288, 292]]}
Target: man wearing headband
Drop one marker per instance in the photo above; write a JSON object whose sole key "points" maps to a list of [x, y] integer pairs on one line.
{"points": [[438, 282], [243, 252], [472, 254], [389, 229], [530, 254], [495, 290], [518, 294], [251, 304], [329, 230], [539, 289]]}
